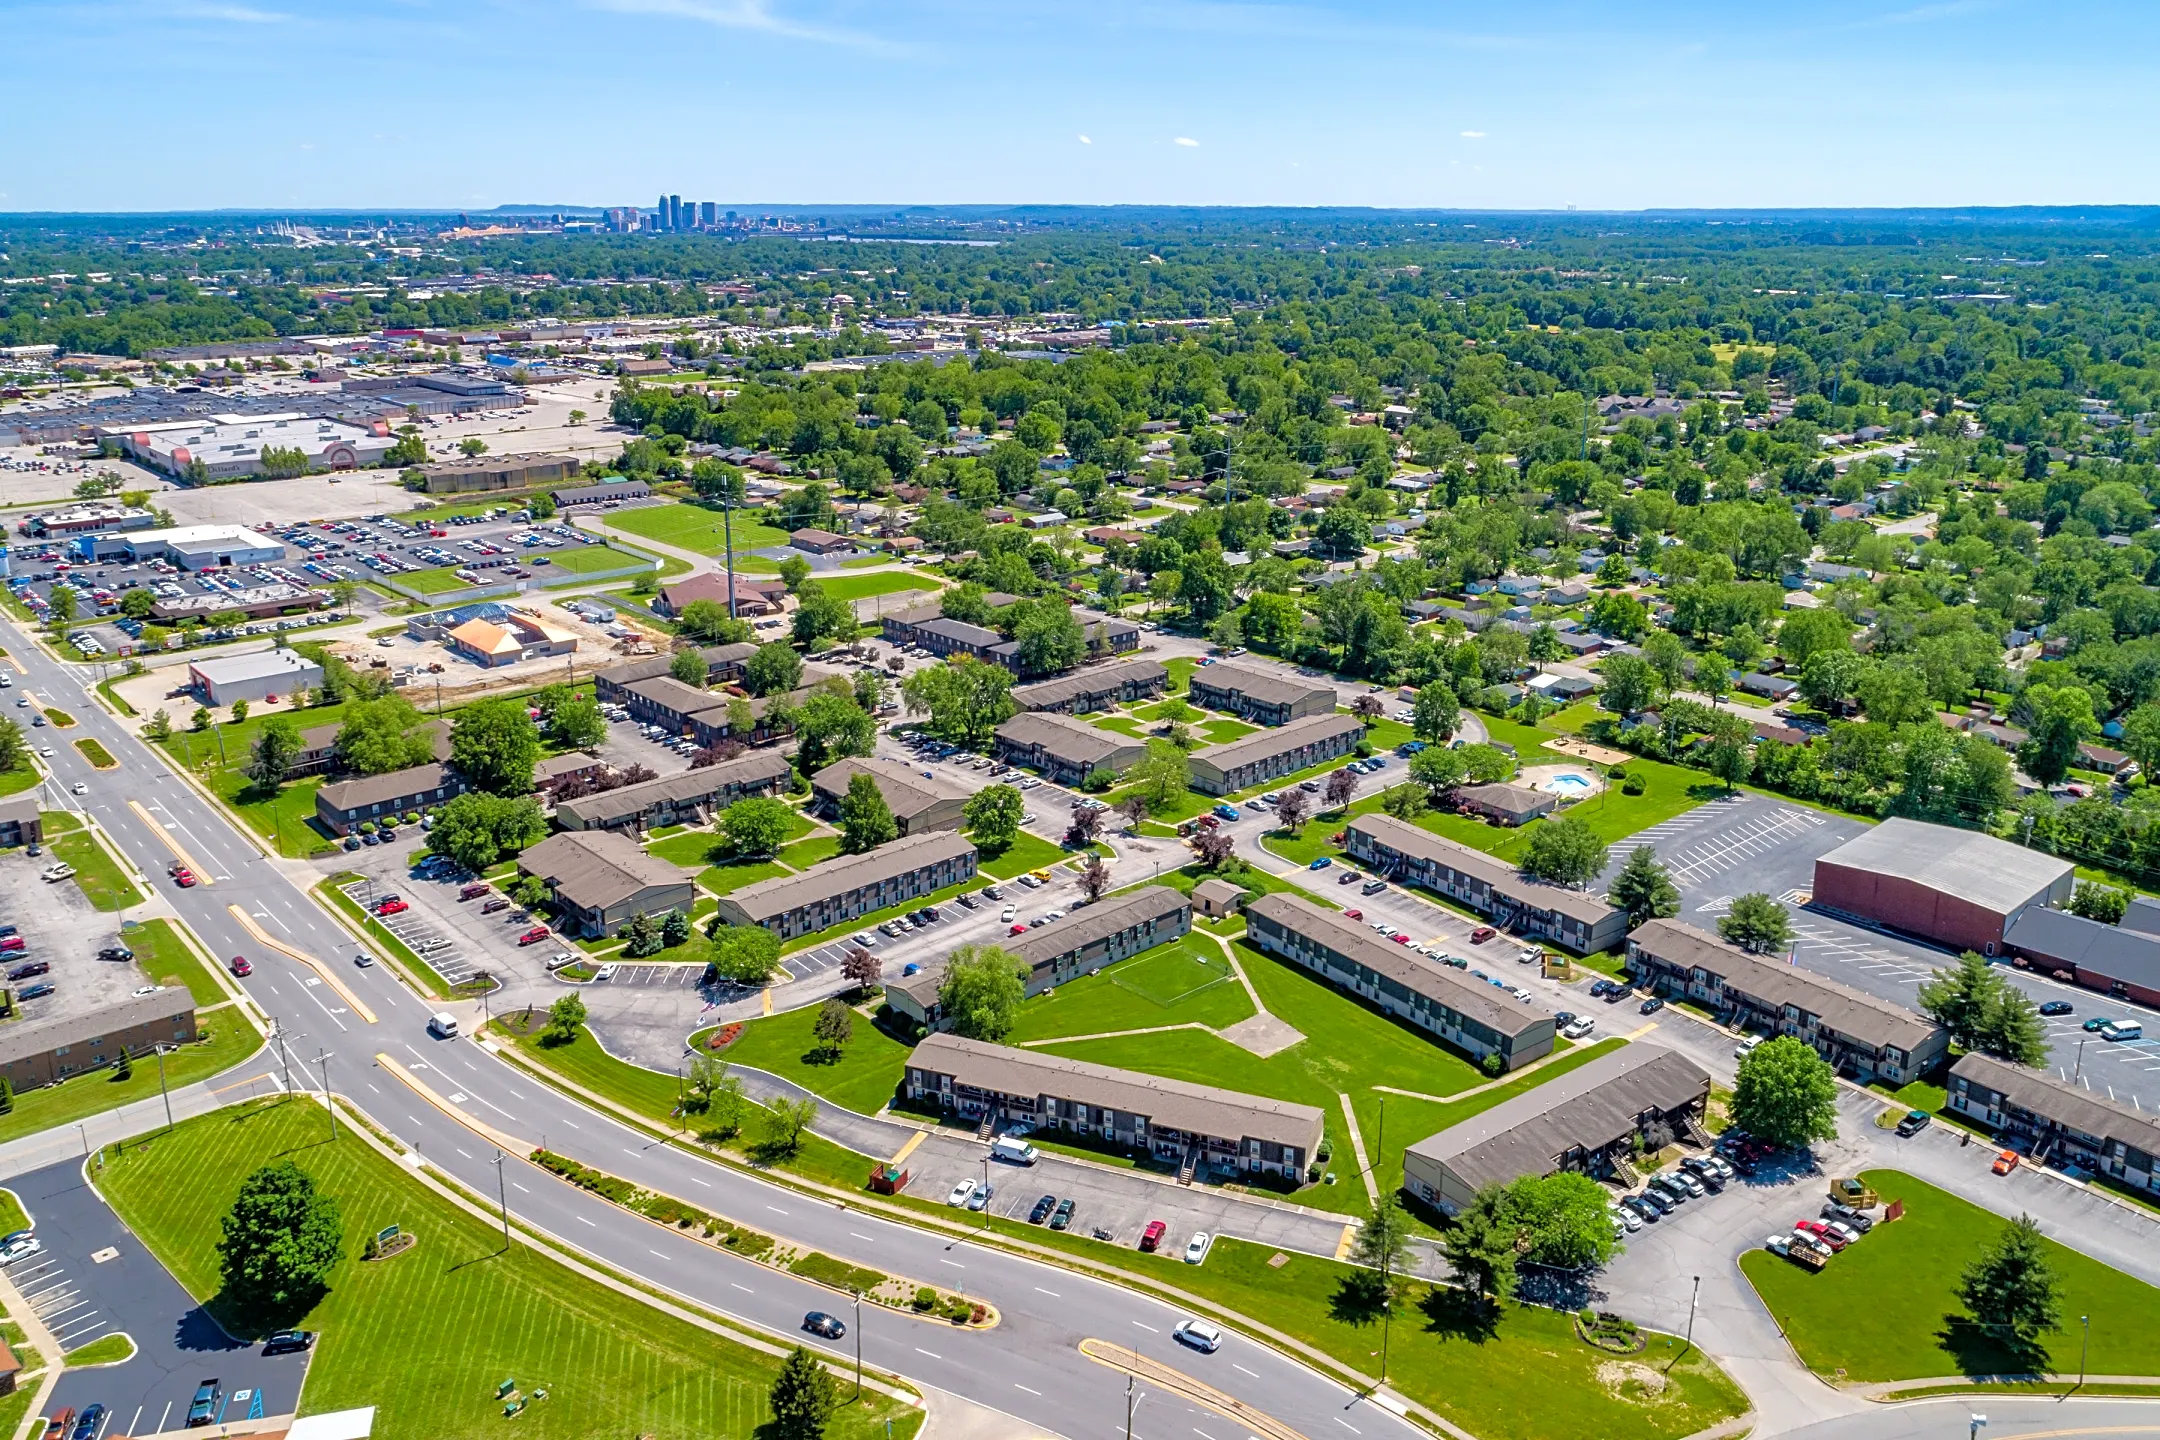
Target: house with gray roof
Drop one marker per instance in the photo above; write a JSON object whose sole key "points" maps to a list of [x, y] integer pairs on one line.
{"points": [[345, 805], [36, 1052], [918, 802], [1100, 687], [2116, 960], [1259, 695], [603, 880], [690, 798]]}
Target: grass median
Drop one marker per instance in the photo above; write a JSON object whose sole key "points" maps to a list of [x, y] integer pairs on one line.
{"points": [[167, 960], [426, 1336]]}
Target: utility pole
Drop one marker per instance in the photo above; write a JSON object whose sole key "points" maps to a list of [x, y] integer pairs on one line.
{"points": [[858, 1344], [2084, 1347], [329, 1108], [277, 1033], [1693, 1296], [727, 526], [502, 1195], [1130, 1400], [162, 1091]]}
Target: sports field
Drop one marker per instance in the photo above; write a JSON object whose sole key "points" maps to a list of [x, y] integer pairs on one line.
{"points": [[693, 527]]}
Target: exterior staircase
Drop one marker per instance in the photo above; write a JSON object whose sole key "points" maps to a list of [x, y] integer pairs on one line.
{"points": [[989, 1123], [1692, 1131], [1189, 1164], [1628, 1176]]}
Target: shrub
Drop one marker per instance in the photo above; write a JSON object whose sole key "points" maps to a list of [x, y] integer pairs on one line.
{"points": [[925, 1298], [1633, 785]]}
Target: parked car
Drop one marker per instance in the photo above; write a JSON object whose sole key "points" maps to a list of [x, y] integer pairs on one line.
{"points": [[115, 952], [534, 936], [2005, 1162], [34, 992], [280, 1342], [1042, 1209], [1196, 1248], [1483, 933], [1914, 1122], [392, 907], [2122, 1030], [1199, 1334], [1820, 1231], [1151, 1238], [1858, 1220], [2094, 1024], [25, 971], [1651, 1006], [89, 1422], [1320, 864], [203, 1410], [19, 1247], [960, 1192], [2056, 1007], [1062, 1217]]}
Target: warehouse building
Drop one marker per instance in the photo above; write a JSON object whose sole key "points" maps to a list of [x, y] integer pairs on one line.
{"points": [[850, 886], [1064, 749], [2058, 1122], [100, 517], [1272, 754], [222, 679], [1858, 1033], [1588, 1121], [191, 547], [1109, 930], [1471, 878], [918, 803], [2116, 960], [613, 492], [469, 475], [233, 451], [1102, 688], [603, 880], [41, 1052], [345, 805], [1257, 695], [1956, 888], [691, 798], [254, 601], [1175, 1122], [1469, 1014]]}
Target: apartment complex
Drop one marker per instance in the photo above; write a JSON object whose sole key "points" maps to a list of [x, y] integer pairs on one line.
{"points": [[1170, 1120], [39, 1052], [1109, 930], [1064, 749], [918, 802], [603, 880], [1272, 754], [1257, 695], [344, 805], [850, 886], [2058, 1120], [1471, 878], [1474, 1017], [690, 798], [1858, 1033], [1102, 687]]}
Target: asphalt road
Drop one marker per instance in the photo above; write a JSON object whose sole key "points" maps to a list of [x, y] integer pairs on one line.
{"points": [[1029, 1366]]}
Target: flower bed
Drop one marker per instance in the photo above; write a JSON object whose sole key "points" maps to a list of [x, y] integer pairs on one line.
{"points": [[1606, 1331], [725, 1036]]}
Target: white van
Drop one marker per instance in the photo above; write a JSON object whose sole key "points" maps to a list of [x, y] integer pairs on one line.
{"points": [[443, 1025], [1017, 1152], [2122, 1030]]}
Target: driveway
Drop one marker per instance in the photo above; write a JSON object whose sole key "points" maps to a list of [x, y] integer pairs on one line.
{"points": [[94, 1278]]}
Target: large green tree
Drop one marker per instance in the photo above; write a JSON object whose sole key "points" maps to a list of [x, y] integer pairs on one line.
{"points": [[830, 726], [279, 1243], [774, 670], [1785, 1093], [1756, 923], [965, 699], [803, 1398], [993, 815], [494, 745], [270, 758], [757, 826], [866, 821], [381, 735], [1644, 888], [1565, 851], [982, 990], [1983, 1011], [2012, 1286]]}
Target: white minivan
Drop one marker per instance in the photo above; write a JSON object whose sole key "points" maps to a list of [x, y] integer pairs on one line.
{"points": [[443, 1025], [1017, 1152]]}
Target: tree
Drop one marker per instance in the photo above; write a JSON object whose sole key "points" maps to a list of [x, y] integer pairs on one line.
{"points": [[478, 830], [137, 604], [1631, 684], [803, 1398], [1785, 1093], [2104, 903], [1382, 1248], [863, 970], [993, 816], [1756, 923], [642, 936], [757, 826], [2141, 738], [785, 1122], [1292, 809], [1341, 785], [743, 954], [2012, 1286], [982, 991], [472, 447], [495, 745], [565, 1015], [157, 728], [1095, 879], [1565, 851], [794, 570], [674, 929], [1213, 848], [270, 757], [689, 667], [239, 712], [819, 615], [1644, 889], [577, 724], [62, 599], [1983, 1011], [2059, 718], [831, 726], [1730, 755], [866, 821], [1343, 532], [279, 1242], [1482, 1245], [1367, 707], [707, 622], [1160, 778], [1436, 714], [1049, 638], [1668, 655], [834, 1026], [774, 670], [965, 699]]}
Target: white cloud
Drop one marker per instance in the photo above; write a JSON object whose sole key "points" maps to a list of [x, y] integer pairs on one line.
{"points": [[1085, 141], [1473, 134], [1188, 142], [742, 15]]}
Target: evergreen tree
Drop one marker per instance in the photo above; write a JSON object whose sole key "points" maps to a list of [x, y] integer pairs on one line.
{"points": [[1644, 889]]}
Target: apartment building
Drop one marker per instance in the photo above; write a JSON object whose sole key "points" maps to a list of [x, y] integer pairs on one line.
{"points": [[1471, 878], [850, 886], [1064, 749], [1272, 754], [1258, 695]]}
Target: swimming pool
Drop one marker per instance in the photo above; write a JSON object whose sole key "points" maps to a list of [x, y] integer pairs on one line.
{"points": [[1567, 785]]}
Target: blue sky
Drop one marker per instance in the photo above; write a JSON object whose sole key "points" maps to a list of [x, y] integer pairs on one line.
{"points": [[179, 104]]}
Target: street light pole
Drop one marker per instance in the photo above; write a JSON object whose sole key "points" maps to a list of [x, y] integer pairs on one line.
{"points": [[162, 1091], [1693, 1296], [1130, 1401], [2084, 1346], [858, 1344], [329, 1108], [502, 1195]]}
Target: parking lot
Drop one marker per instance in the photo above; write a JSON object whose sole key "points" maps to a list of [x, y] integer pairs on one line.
{"points": [[60, 930], [499, 545], [92, 1277]]}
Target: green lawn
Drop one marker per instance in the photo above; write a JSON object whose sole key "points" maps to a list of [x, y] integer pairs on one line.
{"points": [[439, 581], [217, 757], [805, 853], [1180, 668], [12, 1215], [693, 527], [231, 1040], [96, 872], [1026, 852], [425, 1337], [722, 879], [108, 1349], [862, 1078], [1887, 1308], [14, 782], [1121, 724], [1182, 806], [1184, 981], [582, 559], [1515, 1373], [1222, 732], [166, 959], [886, 582], [689, 848]]}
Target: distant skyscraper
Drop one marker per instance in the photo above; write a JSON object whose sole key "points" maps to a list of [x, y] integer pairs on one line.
{"points": [[674, 212], [660, 220], [708, 214]]}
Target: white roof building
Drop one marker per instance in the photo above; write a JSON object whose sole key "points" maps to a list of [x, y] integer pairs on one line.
{"points": [[232, 445]]}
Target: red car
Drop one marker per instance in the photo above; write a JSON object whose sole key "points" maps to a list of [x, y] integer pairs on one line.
{"points": [[1399, 938], [534, 936], [240, 966], [2005, 1162], [392, 907], [1820, 1231], [1152, 1236], [1353, 914], [1017, 930], [184, 877], [1483, 933]]}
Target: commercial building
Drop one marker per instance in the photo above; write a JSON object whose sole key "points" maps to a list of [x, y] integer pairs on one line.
{"points": [[1588, 1121], [603, 880], [1272, 754], [218, 450], [517, 636], [1859, 1033], [612, 492], [222, 679], [191, 547], [40, 1052], [850, 886], [2058, 1122], [917, 803], [1064, 749], [254, 601], [101, 517], [1101, 688], [1957, 888], [465, 476], [821, 542], [2116, 960], [345, 805], [1171, 1120], [1469, 1014], [1257, 695], [20, 823], [1471, 878], [1505, 804], [691, 798], [1103, 933], [752, 597]]}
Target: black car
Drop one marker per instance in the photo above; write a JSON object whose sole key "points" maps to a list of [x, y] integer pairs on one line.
{"points": [[1042, 1209], [24, 972], [817, 1322], [116, 952], [88, 1423], [1652, 1005], [1914, 1122], [2056, 1007], [7, 930], [1062, 1216], [280, 1342], [34, 992]]}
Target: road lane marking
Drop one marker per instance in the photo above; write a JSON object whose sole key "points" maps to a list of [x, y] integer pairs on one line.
{"points": [[1149, 1328], [909, 1148], [179, 851], [588, 1222], [1051, 1293], [931, 1353], [1036, 1393], [337, 983], [1240, 1368]]}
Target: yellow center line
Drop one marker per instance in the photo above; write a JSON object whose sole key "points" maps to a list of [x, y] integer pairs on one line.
{"points": [[1349, 1238], [330, 977], [179, 852]]}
